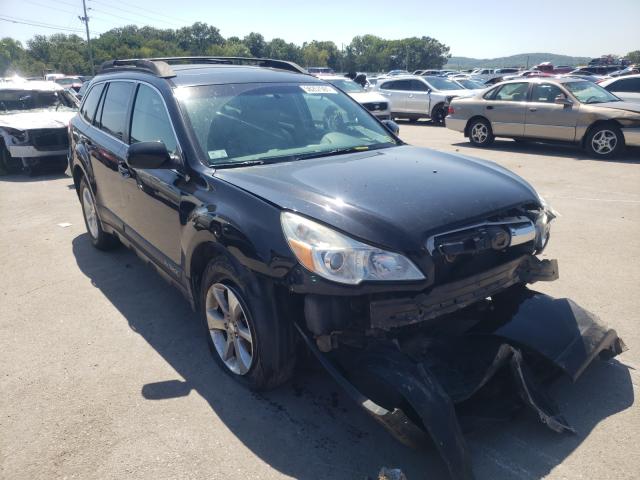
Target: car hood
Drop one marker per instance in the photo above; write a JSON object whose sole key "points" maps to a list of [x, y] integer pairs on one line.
{"points": [[368, 97], [627, 106], [36, 119], [394, 197]]}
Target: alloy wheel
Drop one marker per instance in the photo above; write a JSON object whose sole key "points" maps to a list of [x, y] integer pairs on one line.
{"points": [[229, 328], [479, 132], [89, 209], [604, 142]]}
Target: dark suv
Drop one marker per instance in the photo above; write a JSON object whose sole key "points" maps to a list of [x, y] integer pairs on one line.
{"points": [[287, 214]]}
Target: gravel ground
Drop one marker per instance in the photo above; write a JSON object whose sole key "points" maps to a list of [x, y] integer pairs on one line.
{"points": [[105, 373]]}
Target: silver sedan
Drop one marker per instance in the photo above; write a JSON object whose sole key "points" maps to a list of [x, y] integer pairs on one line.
{"points": [[557, 109]]}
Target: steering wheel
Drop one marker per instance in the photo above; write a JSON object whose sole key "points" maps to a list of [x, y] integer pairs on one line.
{"points": [[589, 99]]}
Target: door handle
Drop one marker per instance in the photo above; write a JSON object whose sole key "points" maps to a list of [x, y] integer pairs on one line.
{"points": [[489, 107], [533, 109]]}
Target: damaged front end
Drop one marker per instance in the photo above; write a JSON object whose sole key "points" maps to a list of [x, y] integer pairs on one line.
{"points": [[438, 382], [470, 350]]}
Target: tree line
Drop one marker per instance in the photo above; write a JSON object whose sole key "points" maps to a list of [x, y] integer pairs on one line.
{"points": [[68, 53]]}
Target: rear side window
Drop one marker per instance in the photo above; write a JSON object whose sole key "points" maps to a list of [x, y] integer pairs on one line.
{"points": [[88, 110], [388, 86], [512, 92], [150, 121], [114, 109], [402, 85]]}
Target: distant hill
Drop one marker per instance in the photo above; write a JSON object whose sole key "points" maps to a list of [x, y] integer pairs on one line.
{"points": [[463, 63]]}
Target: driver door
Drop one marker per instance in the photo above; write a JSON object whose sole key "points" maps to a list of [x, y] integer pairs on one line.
{"points": [[547, 119], [152, 197]]}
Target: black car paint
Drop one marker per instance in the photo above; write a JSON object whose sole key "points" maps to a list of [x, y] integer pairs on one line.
{"points": [[169, 214]]}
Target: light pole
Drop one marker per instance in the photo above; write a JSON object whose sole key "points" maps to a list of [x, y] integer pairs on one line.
{"points": [[85, 20]]}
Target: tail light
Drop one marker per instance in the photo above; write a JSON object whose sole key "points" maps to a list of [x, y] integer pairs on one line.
{"points": [[451, 111]]}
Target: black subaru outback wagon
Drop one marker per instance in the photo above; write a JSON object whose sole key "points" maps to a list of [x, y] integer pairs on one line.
{"points": [[288, 215]]}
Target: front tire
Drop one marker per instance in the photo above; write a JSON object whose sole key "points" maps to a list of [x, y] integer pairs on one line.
{"points": [[604, 141], [480, 133], [246, 336], [438, 115], [10, 164], [99, 238]]}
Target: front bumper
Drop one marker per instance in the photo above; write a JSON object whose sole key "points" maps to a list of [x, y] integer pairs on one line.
{"points": [[28, 151], [456, 124], [631, 137]]}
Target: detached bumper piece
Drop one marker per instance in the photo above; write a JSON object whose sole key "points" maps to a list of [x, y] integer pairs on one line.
{"points": [[438, 386]]}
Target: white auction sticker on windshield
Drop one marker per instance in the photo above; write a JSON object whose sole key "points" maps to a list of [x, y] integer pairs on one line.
{"points": [[318, 89]]}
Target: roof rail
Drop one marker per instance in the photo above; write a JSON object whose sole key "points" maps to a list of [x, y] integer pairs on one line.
{"points": [[157, 68], [161, 66], [260, 62]]}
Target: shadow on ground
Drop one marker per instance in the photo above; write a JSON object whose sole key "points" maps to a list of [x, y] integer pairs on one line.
{"points": [[39, 177], [630, 155], [309, 429]]}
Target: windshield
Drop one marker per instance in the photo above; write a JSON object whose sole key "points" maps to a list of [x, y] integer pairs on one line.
{"points": [[67, 81], [18, 100], [589, 92], [347, 86], [247, 123], [439, 83], [470, 84]]}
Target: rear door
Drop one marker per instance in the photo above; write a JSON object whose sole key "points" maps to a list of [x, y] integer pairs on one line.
{"points": [[108, 148], [151, 197], [547, 119], [505, 108], [397, 92]]}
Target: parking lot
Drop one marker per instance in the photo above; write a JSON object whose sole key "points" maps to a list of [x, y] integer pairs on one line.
{"points": [[105, 372]]}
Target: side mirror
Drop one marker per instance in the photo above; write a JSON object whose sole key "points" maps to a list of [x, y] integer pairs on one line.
{"points": [[392, 126], [148, 155], [562, 100]]}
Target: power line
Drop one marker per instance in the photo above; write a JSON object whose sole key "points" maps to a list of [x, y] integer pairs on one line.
{"points": [[173, 20], [24, 21]]}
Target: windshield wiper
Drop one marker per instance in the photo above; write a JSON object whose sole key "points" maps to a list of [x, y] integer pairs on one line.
{"points": [[245, 163], [342, 151]]}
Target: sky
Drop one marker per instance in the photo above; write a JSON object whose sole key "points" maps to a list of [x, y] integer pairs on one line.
{"points": [[471, 28]]}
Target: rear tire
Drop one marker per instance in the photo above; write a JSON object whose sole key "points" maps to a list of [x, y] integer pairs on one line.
{"points": [[604, 141], [247, 337], [480, 132], [99, 238]]}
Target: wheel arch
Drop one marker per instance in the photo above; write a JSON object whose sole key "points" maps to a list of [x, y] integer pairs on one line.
{"points": [[598, 123], [475, 117]]}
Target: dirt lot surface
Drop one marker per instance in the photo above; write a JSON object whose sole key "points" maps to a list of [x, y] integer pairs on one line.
{"points": [[105, 374]]}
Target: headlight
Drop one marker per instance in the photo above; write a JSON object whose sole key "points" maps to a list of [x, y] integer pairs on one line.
{"points": [[337, 257], [543, 225]]}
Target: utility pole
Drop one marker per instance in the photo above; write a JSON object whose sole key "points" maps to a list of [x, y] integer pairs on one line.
{"points": [[85, 20]]}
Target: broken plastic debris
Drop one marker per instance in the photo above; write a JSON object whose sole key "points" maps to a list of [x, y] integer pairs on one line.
{"points": [[391, 474], [64, 224]]}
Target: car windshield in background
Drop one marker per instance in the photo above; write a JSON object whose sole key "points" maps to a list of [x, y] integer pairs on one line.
{"points": [[347, 86], [245, 123], [16, 100], [471, 84], [442, 83], [589, 92]]}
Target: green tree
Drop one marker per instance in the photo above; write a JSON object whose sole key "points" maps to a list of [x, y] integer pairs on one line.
{"points": [[633, 57], [256, 44]]}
